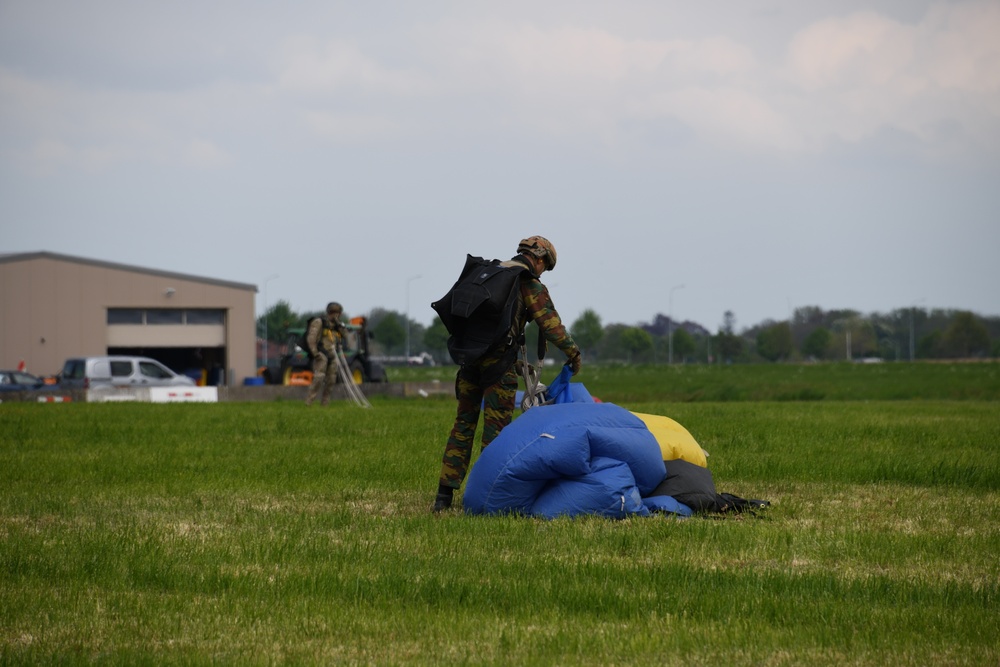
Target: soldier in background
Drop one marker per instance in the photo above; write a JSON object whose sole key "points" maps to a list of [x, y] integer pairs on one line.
{"points": [[324, 337]]}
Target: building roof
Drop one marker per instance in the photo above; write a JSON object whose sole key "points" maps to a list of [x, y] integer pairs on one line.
{"points": [[28, 256]]}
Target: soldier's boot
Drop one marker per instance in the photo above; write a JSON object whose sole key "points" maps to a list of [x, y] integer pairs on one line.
{"points": [[443, 499]]}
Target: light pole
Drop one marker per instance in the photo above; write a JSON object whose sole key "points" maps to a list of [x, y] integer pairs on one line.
{"points": [[912, 308], [408, 281], [670, 325], [266, 281]]}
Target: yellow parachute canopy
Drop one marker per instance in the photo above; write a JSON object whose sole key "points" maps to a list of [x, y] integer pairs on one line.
{"points": [[676, 442]]}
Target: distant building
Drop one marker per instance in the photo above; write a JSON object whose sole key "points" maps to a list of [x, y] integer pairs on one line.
{"points": [[56, 306]]}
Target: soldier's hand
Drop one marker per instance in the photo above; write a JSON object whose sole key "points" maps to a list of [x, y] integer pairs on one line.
{"points": [[574, 363]]}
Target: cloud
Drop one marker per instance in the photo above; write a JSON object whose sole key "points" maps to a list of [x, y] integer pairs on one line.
{"points": [[568, 81], [864, 50], [572, 54], [797, 138], [843, 80], [729, 117], [937, 81], [335, 66], [205, 154], [52, 125], [961, 47], [352, 128]]}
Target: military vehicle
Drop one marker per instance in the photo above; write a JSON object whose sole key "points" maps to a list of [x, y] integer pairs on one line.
{"points": [[294, 367]]}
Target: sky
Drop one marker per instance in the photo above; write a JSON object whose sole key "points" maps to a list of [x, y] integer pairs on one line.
{"points": [[685, 159]]}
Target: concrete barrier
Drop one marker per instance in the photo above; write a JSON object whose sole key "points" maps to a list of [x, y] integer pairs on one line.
{"points": [[43, 396], [272, 392], [184, 394], [239, 393]]}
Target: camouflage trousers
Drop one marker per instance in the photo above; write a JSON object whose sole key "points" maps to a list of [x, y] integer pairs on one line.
{"points": [[498, 401], [324, 371]]}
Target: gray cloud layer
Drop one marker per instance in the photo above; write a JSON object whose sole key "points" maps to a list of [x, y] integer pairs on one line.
{"points": [[764, 154]]}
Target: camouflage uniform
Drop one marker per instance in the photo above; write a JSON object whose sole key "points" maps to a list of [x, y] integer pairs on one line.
{"points": [[498, 398], [324, 337]]}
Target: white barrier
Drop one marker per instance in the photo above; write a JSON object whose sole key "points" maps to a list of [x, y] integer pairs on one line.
{"points": [[184, 394], [54, 399], [116, 395], [155, 395]]}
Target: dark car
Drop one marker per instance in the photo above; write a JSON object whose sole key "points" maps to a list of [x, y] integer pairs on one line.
{"points": [[19, 381]]}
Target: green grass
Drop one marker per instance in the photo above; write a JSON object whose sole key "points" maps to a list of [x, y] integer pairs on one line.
{"points": [[770, 382], [265, 533]]}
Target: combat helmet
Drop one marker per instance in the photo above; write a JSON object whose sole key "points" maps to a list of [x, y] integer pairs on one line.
{"points": [[541, 247]]}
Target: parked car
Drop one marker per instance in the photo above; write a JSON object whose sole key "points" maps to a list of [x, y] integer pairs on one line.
{"points": [[20, 381], [118, 371]]}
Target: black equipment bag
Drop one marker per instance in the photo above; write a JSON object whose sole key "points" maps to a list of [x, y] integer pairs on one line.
{"points": [[479, 308]]}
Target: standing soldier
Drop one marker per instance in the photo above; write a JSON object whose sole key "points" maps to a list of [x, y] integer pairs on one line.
{"points": [[324, 337], [538, 255]]}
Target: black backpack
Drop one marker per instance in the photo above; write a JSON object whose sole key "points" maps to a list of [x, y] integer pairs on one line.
{"points": [[479, 308], [303, 338]]}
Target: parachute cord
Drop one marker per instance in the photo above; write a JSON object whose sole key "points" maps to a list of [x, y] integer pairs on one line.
{"points": [[353, 390]]}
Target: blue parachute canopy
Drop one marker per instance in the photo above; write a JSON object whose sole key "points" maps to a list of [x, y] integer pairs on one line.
{"points": [[563, 391], [569, 459]]}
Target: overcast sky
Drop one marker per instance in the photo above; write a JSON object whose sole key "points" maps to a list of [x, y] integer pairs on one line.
{"points": [[763, 154]]}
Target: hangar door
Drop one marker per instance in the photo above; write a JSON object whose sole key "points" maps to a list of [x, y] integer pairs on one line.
{"points": [[191, 341]]}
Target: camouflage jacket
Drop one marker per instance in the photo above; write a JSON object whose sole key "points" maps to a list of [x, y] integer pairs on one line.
{"points": [[535, 304], [324, 335]]}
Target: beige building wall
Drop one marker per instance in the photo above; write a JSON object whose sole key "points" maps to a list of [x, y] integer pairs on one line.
{"points": [[55, 306]]}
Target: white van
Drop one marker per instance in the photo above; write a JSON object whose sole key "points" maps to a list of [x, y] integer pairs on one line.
{"points": [[118, 371]]}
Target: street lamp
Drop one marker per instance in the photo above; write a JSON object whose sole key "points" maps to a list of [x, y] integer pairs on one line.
{"points": [[266, 281], [912, 307], [408, 281], [670, 325]]}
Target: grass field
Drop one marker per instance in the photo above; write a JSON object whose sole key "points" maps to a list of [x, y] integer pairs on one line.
{"points": [[771, 382], [248, 533]]}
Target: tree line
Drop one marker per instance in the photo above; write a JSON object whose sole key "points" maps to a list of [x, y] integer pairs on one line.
{"points": [[811, 334]]}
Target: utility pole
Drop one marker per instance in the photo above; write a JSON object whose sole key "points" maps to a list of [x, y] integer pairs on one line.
{"points": [[266, 343], [670, 325], [912, 308], [408, 281]]}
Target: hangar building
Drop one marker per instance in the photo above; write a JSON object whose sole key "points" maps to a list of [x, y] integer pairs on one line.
{"points": [[54, 306]]}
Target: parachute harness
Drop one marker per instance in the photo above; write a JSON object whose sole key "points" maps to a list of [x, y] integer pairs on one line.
{"points": [[534, 391]]}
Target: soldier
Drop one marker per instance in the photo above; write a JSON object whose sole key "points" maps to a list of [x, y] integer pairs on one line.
{"points": [[323, 337], [538, 255]]}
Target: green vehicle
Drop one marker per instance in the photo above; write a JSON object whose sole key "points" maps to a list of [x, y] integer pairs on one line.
{"points": [[295, 368]]}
